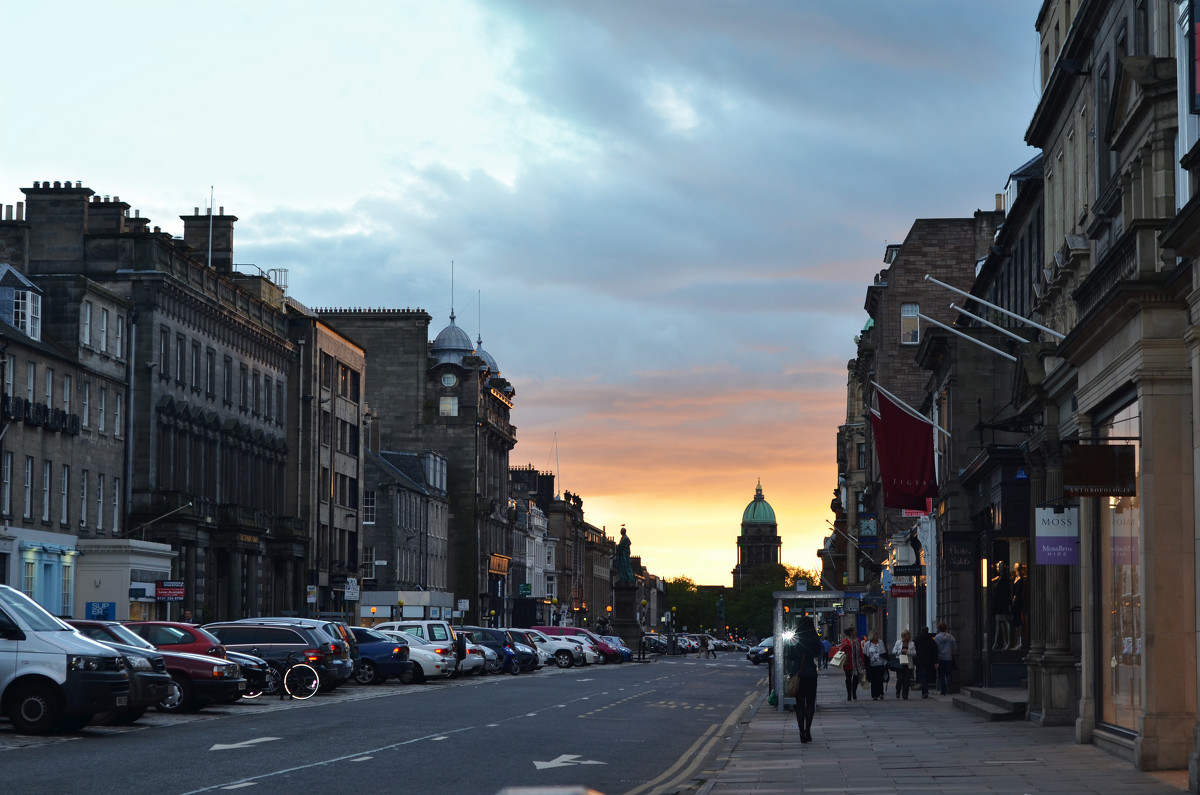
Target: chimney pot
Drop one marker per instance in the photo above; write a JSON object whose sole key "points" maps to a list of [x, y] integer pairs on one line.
{"points": [[999, 201], [78, 184], [195, 211], [57, 184], [20, 211], [222, 211]]}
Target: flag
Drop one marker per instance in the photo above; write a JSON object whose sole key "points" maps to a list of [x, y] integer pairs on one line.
{"points": [[904, 446]]}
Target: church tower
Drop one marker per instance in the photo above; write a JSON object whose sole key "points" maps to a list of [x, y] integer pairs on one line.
{"points": [[759, 544]]}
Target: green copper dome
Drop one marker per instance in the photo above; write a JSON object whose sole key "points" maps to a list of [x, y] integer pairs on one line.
{"points": [[759, 511]]}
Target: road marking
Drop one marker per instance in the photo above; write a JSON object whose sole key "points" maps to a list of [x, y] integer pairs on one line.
{"points": [[363, 759], [566, 760], [438, 739], [244, 744], [239, 786]]}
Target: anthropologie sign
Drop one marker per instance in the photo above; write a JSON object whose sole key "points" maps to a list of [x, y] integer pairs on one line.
{"points": [[1057, 536]]}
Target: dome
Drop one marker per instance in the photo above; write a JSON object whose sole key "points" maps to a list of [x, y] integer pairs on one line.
{"points": [[489, 361], [452, 344], [759, 511]]}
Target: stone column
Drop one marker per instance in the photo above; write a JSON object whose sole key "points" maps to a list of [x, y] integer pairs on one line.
{"points": [[1037, 595], [1058, 661]]}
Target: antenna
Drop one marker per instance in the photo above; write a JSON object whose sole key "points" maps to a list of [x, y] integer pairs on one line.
{"points": [[557, 468], [479, 318], [210, 224], [451, 291]]}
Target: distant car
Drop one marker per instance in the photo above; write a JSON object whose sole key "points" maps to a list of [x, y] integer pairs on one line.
{"points": [[429, 660], [763, 652], [275, 640], [565, 650], [196, 679], [380, 657], [656, 644]]}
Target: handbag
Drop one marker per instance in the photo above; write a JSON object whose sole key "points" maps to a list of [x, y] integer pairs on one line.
{"points": [[838, 659], [792, 687], [893, 663]]}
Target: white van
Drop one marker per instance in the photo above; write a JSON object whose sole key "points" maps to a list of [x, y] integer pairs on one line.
{"points": [[430, 630], [52, 677]]}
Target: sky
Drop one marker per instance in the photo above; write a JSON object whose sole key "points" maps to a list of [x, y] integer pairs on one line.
{"points": [[661, 217]]}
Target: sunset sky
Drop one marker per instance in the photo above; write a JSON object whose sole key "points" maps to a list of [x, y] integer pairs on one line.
{"points": [[663, 216]]}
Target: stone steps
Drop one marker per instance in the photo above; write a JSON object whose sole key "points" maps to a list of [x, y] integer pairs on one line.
{"points": [[993, 703]]}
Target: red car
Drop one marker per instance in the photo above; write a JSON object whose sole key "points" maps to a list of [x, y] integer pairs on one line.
{"points": [[196, 679], [177, 636]]}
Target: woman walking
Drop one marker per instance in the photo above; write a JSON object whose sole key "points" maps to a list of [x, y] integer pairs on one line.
{"points": [[803, 661], [876, 665], [853, 664], [905, 651]]}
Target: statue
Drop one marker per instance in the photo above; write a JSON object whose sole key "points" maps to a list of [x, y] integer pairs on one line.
{"points": [[621, 561]]}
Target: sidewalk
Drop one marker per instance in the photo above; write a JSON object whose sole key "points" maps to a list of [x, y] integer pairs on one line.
{"points": [[919, 745]]}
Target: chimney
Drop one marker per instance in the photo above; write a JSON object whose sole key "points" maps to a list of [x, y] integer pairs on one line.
{"points": [[58, 218], [105, 216], [1000, 201], [195, 235]]}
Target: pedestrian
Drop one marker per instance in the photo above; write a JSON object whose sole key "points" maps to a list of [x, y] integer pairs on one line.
{"points": [[853, 664], [703, 647], [803, 657], [926, 660], [187, 617], [826, 648], [876, 665], [947, 647], [905, 651]]}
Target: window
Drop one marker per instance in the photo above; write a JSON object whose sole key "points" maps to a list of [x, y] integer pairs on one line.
{"points": [[10, 370], [368, 510], [100, 412], [368, 563], [87, 394], [83, 480], [116, 505], [104, 331], [28, 512], [67, 395], [448, 406], [67, 595], [164, 349], [85, 326], [267, 398], [862, 455], [30, 577], [243, 387], [49, 386], [227, 385], [210, 385], [910, 325], [196, 366], [256, 405], [45, 491], [119, 340], [180, 347], [279, 413], [64, 491], [27, 312], [6, 491], [99, 502], [30, 381], [117, 414]]}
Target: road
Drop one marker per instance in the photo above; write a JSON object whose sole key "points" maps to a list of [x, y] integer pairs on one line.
{"points": [[635, 728]]}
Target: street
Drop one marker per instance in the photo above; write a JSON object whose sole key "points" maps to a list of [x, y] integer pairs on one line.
{"points": [[630, 728]]}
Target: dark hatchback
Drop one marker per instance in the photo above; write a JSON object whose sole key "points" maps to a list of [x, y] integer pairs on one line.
{"points": [[497, 640], [148, 681], [380, 657], [282, 643]]}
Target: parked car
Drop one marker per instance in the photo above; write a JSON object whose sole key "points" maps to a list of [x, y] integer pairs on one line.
{"points": [[429, 660], [619, 645], [497, 640], [524, 638], [196, 679], [656, 644], [380, 657], [51, 677], [178, 636], [607, 652], [255, 670], [566, 652], [763, 652], [148, 678], [275, 639], [431, 630]]}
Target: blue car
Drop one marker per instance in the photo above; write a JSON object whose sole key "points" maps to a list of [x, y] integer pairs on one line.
{"points": [[380, 657], [619, 645]]}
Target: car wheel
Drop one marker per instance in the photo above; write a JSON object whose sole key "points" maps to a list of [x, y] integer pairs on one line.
{"points": [[273, 681], [34, 709], [128, 716], [179, 695], [602, 660], [418, 674], [366, 673], [562, 658], [493, 666]]}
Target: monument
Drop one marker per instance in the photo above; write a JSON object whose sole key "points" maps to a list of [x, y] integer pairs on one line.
{"points": [[625, 596]]}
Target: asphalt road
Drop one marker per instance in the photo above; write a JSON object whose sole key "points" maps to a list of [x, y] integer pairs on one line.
{"points": [[631, 728]]}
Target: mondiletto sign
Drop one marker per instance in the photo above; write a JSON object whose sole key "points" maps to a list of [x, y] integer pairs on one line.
{"points": [[1056, 532]]}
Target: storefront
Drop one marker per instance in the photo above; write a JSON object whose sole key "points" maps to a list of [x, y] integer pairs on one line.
{"points": [[118, 580]]}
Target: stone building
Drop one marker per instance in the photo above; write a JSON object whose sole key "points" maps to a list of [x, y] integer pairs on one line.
{"points": [[759, 543], [447, 397]]}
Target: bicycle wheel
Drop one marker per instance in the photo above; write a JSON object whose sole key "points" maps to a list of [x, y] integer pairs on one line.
{"points": [[301, 681]]}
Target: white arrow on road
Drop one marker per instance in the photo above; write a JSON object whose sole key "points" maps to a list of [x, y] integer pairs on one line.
{"points": [[244, 744], [566, 760]]}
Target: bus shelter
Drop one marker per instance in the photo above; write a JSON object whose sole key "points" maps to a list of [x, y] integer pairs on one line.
{"points": [[792, 607]]}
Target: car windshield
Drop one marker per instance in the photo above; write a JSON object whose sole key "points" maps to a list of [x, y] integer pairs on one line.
{"points": [[34, 615], [409, 638], [123, 634], [366, 635]]}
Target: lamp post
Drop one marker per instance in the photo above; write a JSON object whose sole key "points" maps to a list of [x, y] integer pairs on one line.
{"points": [[674, 641], [554, 612], [492, 619]]}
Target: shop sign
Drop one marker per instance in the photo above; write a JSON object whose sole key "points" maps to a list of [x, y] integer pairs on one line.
{"points": [[1099, 470], [908, 570], [958, 551], [1057, 535], [909, 513], [498, 564], [100, 611], [903, 591], [168, 591]]}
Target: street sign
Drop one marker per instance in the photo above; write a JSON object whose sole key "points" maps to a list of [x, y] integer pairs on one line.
{"points": [[525, 589], [351, 593], [464, 605], [311, 598]]}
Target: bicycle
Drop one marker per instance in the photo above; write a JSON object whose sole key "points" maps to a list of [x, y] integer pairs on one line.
{"points": [[299, 680]]}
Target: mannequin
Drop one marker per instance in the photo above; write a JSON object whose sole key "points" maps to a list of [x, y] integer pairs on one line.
{"points": [[1001, 594]]}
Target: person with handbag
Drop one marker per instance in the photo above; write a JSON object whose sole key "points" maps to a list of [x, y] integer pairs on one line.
{"points": [[876, 654], [853, 663], [905, 651], [803, 657]]}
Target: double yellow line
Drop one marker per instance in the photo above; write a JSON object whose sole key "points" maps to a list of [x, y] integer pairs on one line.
{"points": [[693, 757]]}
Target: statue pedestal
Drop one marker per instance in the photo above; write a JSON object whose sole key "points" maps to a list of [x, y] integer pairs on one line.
{"points": [[625, 614]]}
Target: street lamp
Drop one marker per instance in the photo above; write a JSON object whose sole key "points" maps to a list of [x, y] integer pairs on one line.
{"points": [[674, 641], [492, 618], [554, 612]]}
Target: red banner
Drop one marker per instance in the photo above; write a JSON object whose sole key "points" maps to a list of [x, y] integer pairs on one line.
{"points": [[903, 591], [904, 445]]}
